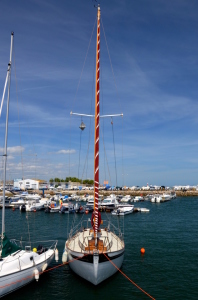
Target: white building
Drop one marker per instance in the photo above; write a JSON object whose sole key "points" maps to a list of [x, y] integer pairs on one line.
{"points": [[26, 184]]}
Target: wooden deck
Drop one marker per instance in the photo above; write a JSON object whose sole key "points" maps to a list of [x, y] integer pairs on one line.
{"points": [[91, 246]]}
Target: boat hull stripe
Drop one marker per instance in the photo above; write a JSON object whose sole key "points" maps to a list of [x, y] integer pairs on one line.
{"points": [[102, 258]]}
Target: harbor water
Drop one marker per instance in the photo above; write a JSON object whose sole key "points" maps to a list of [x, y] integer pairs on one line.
{"points": [[167, 270]]}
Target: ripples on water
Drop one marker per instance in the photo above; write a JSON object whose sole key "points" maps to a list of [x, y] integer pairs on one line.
{"points": [[168, 270]]}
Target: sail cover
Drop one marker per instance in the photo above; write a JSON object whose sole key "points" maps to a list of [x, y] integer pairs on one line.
{"points": [[8, 247]]}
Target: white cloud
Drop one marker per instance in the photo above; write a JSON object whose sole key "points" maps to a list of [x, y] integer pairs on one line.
{"points": [[13, 150], [66, 151]]}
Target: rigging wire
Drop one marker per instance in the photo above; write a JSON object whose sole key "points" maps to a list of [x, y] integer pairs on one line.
{"points": [[122, 155], [76, 97], [69, 143], [105, 154], [111, 63], [84, 61], [28, 228], [86, 159], [91, 128], [79, 154], [114, 150], [91, 108], [18, 112], [116, 93]]}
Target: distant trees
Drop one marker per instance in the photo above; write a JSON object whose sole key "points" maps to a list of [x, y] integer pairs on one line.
{"points": [[88, 181], [71, 179], [57, 179]]}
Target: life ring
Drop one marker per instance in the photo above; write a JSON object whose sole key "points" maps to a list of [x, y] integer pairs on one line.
{"points": [[92, 219]]}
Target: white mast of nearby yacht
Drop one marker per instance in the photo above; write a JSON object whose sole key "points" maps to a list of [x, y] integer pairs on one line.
{"points": [[7, 81]]}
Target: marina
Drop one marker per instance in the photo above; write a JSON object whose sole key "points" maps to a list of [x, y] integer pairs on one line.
{"points": [[80, 203], [93, 236], [168, 231]]}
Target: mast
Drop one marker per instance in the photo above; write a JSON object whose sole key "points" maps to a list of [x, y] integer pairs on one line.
{"points": [[8, 78], [97, 120]]}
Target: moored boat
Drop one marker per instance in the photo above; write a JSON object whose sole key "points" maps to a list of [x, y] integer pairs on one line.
{"points": [[137, 199], [19, 263], [126, 199], [94, 250], [123, 210], [156, 199]]}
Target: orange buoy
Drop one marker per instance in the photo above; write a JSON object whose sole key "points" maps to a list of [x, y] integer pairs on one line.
{"points": [[13, 209], [34, 210], [142, 250], [86, 211]]}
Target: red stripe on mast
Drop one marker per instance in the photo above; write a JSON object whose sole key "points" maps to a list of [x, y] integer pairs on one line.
{"points": [[97, 120]]}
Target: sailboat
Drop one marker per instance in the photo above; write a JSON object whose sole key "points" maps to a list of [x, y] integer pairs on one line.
{"points": [[20, 262], [95, 251]]}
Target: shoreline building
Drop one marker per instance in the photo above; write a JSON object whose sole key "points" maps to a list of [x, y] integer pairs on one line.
{"points": [[30, 184]]}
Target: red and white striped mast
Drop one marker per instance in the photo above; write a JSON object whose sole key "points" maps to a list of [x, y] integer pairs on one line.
{"points": [[97, 121], [97, 131]]}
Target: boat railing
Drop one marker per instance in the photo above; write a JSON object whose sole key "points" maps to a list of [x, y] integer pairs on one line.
{"points": [[30, 245], [86, 224], [117, 231], [109, 245], [119, 239], [44, 246], [81, 245]]}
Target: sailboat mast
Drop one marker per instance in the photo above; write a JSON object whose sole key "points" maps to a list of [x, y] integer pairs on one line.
{"points": [[6, 134], [97, 120]]}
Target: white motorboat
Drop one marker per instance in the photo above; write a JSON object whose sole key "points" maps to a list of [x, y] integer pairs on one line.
{"points": [[35, 197], [110, 202], [90, 204], [54, 208], [166, 197], [32, 206], [45, 201], [148, 197], [126, 199], [156, 199], [123, 210], [19, 263], [137, 199], [68, 208], [17, 204], [144, 210], [95, 252], [15, 198], [24, 194], [173, 195]]}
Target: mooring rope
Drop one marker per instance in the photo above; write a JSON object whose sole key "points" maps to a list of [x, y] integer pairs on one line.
{"points": [[66, 263], [129, 278], [45, 271]]}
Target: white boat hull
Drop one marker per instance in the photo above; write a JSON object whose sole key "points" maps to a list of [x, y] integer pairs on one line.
{"points": [[96, 271], [91, 261], [55, 209], [121, 212], [19, 278]]}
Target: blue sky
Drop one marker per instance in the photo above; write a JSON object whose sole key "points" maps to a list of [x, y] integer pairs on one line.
{"points": [[153, 48]]}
